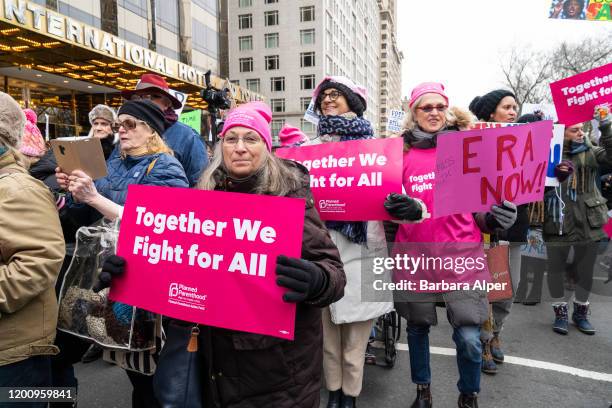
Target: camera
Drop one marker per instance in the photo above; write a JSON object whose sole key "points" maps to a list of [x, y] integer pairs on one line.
{"points": [[215, 98]]}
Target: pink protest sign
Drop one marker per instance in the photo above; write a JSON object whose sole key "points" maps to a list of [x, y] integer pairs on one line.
{"points": [[478, 168], [209, 257], [350, 180], [576, 97]]}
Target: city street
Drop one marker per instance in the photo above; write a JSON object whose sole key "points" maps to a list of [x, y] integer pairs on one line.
{"points": [[543, 369]]}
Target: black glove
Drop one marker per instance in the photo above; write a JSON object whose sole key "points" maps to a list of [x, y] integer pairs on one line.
{"points": [[403, 207], [112, 267], [503, 216], [304, 278]]}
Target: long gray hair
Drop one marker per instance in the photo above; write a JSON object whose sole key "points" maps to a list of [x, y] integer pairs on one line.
{"points": [[275, 177]]}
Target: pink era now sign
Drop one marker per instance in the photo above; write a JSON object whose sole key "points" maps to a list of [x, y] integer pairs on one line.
{"points": [[209, 257], [478, 168], [576, 97], [350, 180]]}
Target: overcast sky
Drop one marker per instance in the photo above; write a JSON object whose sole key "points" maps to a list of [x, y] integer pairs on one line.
{"points": [[460, 42]]}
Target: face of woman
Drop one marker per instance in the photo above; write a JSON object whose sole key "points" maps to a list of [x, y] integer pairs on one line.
{"points": [[430, 114], [574, 133], [333, 103], [101, 128], [573, 10], [243, 151], [133, 133], [506, 111]]}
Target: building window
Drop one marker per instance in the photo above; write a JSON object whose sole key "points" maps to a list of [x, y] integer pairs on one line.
{"points": [[245, 3], [304, 102], [307, 36], [307, 13], [245, 43], [307, 59], [271, 40], [245, 21], [307, 82], [235, 82], [270, 1], [271, 18], [276, 125], [272, 62], [253, 84], [277, 105], [307, 127], [277, 84], [246, 64]]}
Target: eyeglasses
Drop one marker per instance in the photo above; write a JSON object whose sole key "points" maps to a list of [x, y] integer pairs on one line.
{"points": [[150, 97], [333, 95], [249, 140], [128, 124], [430, 108]]}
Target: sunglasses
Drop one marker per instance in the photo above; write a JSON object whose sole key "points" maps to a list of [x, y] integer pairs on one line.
{"points": [[150, 97], [128, 124], [430, 108]]}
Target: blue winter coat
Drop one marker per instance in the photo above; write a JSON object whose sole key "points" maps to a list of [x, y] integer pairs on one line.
{"points": [[188, 149], [166, 171]]}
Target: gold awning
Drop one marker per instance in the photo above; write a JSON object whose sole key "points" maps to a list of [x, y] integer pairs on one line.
{"points": [[33, 37]]}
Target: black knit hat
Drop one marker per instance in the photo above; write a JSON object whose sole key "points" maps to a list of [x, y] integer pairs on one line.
{"points": [[484, 106], [146, 111], [356, 104]]}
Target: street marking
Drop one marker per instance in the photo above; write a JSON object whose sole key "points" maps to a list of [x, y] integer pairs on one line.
{"points": [[593, 375]]}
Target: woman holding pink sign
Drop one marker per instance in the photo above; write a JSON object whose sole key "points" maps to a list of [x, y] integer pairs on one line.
{"points": [[574, 215], [500, 106], [246, 369], [347, 323], [428, 119]]}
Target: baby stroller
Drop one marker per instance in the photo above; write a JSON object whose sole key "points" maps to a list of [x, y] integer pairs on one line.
{"points": [[385, 335]]}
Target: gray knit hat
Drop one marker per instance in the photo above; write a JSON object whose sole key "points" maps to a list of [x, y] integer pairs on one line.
{"points": [[12, 122], [102, 112]]}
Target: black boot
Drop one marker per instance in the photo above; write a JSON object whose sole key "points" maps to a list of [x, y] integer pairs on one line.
{"points": [[334, 399], [468, 401], [423, 398], [348, 402]]}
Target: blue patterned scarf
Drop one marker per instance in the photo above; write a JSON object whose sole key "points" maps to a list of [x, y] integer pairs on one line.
{"points": [[3, 150], [347, 127]]}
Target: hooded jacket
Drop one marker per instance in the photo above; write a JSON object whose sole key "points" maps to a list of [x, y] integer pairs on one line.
{"points": [[584, 208], [31, 253], [249, 370]]}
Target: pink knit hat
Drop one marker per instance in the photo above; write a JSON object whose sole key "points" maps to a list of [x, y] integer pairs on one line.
{"points": [[32, 142], [291, 136], [253, 115], [425, 88]]}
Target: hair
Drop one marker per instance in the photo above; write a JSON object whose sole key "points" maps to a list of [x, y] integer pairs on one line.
{"points": [[567, 4], [410, 118], [275, 176], [155, 145]]}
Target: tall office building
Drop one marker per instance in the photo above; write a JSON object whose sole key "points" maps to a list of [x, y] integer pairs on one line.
{"points": [[390, 64], [282, 49]]}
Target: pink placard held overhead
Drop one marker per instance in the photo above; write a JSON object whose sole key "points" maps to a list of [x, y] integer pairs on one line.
{"points": [[350, 180], [478, 168], [209, 257], [577, 96]]}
